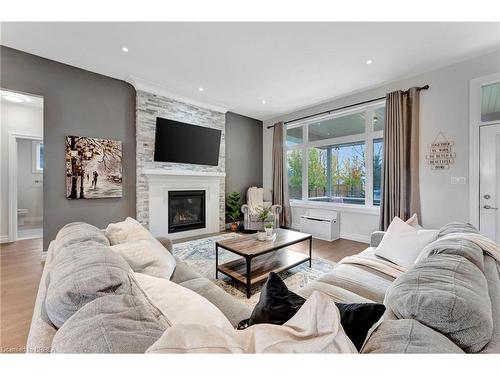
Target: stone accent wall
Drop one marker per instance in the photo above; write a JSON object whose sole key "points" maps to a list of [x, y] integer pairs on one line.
{"points": [[149, 107]]}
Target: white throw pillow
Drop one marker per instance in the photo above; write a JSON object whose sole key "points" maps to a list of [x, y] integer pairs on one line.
{"points": [[147, 256], [402, 243], [315, 328], [127, 230], [181, 305], [413, 221]]}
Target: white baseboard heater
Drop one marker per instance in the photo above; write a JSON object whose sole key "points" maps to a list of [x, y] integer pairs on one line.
{"points": [[322, 224]]}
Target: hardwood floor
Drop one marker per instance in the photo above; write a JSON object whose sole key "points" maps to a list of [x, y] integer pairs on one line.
{"points": [[21, 266]]}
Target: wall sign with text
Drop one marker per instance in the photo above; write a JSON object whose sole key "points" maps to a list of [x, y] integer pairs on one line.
{"points": [[441, 154]]}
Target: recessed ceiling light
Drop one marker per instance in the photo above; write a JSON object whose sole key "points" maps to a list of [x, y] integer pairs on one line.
{"points": [[124, 49], [201, 89], [264, 102], [368, 62], [14, 98]]}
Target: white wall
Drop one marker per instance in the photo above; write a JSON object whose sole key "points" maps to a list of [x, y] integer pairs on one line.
{"points": [[19, 119], [29, 192], [444, 107]]}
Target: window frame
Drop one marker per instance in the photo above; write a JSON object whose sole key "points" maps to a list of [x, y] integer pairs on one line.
{"points": [[367, 137]]}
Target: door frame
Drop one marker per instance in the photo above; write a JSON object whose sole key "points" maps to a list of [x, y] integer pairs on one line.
{"points": [[474, 128], [12, 173]]}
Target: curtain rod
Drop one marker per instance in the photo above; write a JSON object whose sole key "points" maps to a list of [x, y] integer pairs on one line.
{"points": [[426, 87]]}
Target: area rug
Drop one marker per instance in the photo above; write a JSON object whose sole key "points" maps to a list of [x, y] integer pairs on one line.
{"points": [[200, 255]]}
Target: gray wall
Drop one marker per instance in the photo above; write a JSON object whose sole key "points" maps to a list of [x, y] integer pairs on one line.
{"points": [[76, 102], [243, 153]]}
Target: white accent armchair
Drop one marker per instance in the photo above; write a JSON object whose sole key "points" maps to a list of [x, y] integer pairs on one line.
{"points": [[251, 221]]}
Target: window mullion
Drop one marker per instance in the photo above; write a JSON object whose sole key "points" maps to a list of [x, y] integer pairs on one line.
{"points": [[305, 163], [369, 157]]}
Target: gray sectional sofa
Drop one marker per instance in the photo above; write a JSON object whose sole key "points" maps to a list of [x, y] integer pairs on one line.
{"points": [[449, 302]]}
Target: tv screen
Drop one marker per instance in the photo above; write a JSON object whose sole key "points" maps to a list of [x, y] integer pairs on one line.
{"points": [[178, 142]]}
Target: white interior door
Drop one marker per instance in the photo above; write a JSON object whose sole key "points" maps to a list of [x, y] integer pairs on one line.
{"points": [[489, 181]]}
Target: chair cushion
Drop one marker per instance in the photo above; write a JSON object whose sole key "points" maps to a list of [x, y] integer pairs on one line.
{"points": [[407, 336], [81, 273], [448, 294]]}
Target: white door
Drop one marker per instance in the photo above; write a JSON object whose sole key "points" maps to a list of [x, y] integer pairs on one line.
{"points": [[489, 182]]}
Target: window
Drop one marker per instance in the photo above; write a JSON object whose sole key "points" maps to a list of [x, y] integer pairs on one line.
{"points": [[490, 102], [38, 156], [343, 158], [294, 161]]}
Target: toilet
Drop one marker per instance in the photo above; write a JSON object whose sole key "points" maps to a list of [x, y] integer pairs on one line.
{"points": [[21, 215]]}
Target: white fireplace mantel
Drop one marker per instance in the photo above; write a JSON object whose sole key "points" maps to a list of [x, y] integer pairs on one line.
{"points": [[179, 172], [161, 181]]}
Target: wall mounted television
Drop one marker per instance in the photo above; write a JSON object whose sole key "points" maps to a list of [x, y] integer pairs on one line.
{"points": [[179, 142]]}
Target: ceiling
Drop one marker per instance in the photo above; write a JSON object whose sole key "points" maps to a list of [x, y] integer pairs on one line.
{"points": [[239, 65], [18, 98]]}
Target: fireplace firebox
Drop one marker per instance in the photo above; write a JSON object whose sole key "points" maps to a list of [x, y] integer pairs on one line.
{"points": [[186, 210]]}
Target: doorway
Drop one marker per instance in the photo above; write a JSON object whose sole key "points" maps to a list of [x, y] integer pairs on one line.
{"points": [[489, 181], [23, 159]]}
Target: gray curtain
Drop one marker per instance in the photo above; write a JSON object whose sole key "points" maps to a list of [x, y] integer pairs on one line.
{"points": [[400, 182], [280, 188]]}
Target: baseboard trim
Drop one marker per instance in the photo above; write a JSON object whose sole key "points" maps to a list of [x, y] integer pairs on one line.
{"points": [[347, 236], [4, 239], [355, 237]]}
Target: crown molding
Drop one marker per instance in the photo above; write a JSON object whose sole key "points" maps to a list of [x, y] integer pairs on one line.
{"points": [[153, 88]]}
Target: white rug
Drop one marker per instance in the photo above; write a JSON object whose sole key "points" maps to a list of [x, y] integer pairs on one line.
{"points": [[200, 255]]}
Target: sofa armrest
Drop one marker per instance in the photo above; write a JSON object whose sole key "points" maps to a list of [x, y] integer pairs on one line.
{"points": [[166, 242], [376, 238]]}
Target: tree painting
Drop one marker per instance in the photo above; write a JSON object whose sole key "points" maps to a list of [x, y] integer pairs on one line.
{"points": [[93, 168]]}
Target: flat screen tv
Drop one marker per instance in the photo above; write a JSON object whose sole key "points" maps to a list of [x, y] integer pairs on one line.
{"points": [[178, 142]]}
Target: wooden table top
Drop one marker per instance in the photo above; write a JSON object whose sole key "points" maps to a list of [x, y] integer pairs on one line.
{"points": [[250, 245]]}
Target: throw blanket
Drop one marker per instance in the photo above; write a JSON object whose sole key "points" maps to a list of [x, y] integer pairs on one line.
{"points": [[488, 246], [378, 264], [255, 199]]}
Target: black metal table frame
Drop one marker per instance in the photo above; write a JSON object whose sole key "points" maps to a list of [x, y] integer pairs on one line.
{"points": [[248, 260]]}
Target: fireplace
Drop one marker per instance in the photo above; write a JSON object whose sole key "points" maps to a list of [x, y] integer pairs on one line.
{"points": [[186, 210]]}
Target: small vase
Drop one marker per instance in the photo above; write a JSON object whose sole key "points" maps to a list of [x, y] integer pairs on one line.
{"points": [[261, 236], [234, 227], [269, 232]]}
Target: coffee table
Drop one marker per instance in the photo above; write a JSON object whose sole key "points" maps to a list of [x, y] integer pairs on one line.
{"points": [[261, 257]]}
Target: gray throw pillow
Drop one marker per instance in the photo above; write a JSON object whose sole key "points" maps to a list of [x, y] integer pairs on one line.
{"points": [[448, 294], [81, 273], [407, 336], [111, 324], [78, 232]]}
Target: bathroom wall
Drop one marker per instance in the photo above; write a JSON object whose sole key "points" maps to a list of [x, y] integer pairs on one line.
{"points": [[29, 184], [15, 118]]}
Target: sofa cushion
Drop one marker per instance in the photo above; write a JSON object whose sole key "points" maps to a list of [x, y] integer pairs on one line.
{"points": [[147, 256], [78, 232], [234, 310], [448, 294], [457, 227], [407, 336], [80, 273], [315, 328], [277, 304], [464, 248], [126, 231], [402, 243], [111, 324], [179, 304]]}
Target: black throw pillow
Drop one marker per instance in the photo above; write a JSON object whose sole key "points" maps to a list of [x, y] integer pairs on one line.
{"points": [[277, 305]]}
